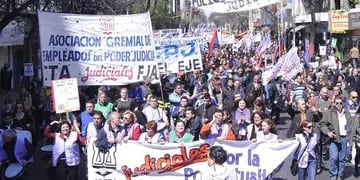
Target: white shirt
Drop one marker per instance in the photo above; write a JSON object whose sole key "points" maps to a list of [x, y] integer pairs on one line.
{"points": [[342, 123], [156, 114]]}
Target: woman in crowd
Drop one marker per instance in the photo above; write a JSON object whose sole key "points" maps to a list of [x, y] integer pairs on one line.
{"points": [[268, 131], [25, 98], [306, 153], [66, 151], [255, 126], [151, 135], [131, 130], [241, 119], [259, 106], [22, 117], [179, 135]]}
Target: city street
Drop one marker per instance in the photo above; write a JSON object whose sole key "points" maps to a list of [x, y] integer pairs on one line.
{"points": [[38, 169]]}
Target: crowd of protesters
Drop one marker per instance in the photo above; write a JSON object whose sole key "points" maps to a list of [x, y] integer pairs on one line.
{"points": [[225, 101]]}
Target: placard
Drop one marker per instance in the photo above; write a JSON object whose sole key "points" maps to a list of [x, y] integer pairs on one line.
{"points": [[65, 95], [322, 50], [178, 55], [28, 70]]}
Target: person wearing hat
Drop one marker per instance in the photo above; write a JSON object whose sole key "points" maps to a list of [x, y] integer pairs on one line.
{"points": [[15, 149]]}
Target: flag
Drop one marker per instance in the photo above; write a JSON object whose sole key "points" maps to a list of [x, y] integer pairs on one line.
{"points": [[287, 67], [263, 46], [309, 52], [282, 46], [339, 54], [213, 43]]}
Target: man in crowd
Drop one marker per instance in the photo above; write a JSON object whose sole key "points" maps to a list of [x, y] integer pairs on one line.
{"points": [[85, 118], [193, 124], [95, 126], [354, 55], [157, 114], [352, 104], [103, 105], [340, 128]]}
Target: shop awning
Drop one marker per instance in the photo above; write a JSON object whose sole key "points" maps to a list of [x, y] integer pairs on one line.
{"points": [[298, 28]]}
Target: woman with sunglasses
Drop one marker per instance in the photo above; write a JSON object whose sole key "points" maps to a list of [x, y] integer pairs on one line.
{"points": [[306, 152]]}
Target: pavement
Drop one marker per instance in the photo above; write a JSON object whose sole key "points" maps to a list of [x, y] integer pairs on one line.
{"points": [[38, 169]]}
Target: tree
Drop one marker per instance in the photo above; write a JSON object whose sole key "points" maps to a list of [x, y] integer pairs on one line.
{"points": [[10, 9]]}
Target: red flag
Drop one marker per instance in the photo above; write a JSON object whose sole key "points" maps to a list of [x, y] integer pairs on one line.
{"points": [[213, 43]]}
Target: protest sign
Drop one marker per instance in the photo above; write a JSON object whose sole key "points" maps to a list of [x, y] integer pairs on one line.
{"points": [[230, 6], [97, 49], [137, 160], [322, 50], [227, 38], [178, 55], [28, 70], [65, 95]]}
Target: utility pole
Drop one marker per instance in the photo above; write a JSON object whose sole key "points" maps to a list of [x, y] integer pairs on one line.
{"points": [[313, 24]]}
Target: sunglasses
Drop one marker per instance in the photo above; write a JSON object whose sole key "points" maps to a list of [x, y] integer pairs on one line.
{"points": [[309, 127], [355, 97], [338, 103]]}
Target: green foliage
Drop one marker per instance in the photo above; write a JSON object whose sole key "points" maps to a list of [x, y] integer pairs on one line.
{"points": [[162, 19]]}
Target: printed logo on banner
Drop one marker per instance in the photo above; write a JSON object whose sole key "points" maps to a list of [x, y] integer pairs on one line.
{"points": [[168, 163], [107, 24], [178, 55], [103, 161]]}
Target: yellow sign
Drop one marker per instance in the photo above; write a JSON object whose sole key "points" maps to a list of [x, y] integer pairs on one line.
{"points": [[338, 21]]}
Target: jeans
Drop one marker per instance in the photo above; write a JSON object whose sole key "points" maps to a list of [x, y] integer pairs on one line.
{"points": [[310, 171], [338, 154]]}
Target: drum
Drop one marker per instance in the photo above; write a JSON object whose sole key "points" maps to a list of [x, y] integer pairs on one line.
{"points": [[14, 171], [46, 151]]}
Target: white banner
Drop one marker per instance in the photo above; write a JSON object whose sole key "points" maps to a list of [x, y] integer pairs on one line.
{"points": [[230, 6], [287, 67], [13, 34], [178, 55], [135, 160], [227, 38], [65, 95], [97, 49]]}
